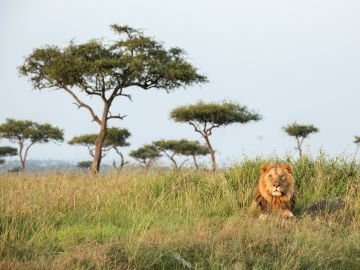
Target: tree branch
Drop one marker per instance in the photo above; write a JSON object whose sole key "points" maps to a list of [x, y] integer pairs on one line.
{"points": [[182, 163], [121, 117], [80, 104], [27, 150], [196, 127]]}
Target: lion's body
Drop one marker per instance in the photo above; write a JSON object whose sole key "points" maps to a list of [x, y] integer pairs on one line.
{"points": [[275, 191]]}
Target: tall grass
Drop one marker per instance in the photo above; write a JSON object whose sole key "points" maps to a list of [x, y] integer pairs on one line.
{"points": [[177, 220]]}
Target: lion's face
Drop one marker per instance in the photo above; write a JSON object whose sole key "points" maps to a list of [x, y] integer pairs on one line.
{"points": [[277, 179]]}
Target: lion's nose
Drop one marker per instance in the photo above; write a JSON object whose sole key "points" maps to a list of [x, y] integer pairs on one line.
{"points": [[276, 185]]}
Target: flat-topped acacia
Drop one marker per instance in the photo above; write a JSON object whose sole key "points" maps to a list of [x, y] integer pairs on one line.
{"points": [[204, 117], [108, 70], [26, 133], [115, 138], [300, 132]]}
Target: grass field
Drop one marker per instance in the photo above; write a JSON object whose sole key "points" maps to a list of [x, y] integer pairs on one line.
{"points": [[177, 220]]}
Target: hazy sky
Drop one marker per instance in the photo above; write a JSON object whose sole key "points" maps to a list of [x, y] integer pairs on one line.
{"points": [[288, 60]]}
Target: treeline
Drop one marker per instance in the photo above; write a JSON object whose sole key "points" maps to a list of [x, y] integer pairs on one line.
{"points": [[107, 71]]}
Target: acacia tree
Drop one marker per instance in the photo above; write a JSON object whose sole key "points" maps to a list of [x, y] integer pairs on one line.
{"points": [[87, 140], [26, 133], [194, 149], [108, 71], [300, 132], [84, 165], [115, 138], [204, 117], [357, 142], [6, 151], [171, 148], [146, 155]]}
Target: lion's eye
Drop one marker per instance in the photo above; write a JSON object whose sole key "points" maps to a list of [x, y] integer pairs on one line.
{"points": [[270, 176], [282, 177]]}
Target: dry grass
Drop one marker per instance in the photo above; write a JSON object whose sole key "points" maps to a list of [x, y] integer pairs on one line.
{"points": [[165, 219]]}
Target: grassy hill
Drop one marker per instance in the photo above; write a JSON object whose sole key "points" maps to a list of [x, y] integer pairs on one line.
{"points": [[177, 220]]}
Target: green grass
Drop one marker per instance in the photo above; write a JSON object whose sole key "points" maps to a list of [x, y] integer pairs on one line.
{"points": [[159, 219]]}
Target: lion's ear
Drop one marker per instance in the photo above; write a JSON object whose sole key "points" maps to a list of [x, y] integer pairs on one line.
{"points": [[287, 167], [265, 167]]}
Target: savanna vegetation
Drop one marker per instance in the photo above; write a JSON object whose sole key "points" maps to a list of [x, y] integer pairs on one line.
{"points": [[177, 219]]}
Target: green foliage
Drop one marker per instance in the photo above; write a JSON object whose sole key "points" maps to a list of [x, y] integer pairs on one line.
{"points": [[297, 130], [85, 140], [219, 114], [190, 148], [7, 151], [84, 165], [19, 130], [116, 137], [146, 154], [171, 148], [182, 147], [357, 139], [96, 66]]}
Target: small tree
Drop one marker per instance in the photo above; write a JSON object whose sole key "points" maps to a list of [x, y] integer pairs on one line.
{"points": [[204, 117], [300, 132], [115, 138], [357, 142], [146, 155], [87, 140], [84, 165], [107, 70], [6, 151], [171, 148], [27, 133], [194, 149]]}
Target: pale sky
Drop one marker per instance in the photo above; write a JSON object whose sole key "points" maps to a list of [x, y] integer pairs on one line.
{"points": [[288, 60]]}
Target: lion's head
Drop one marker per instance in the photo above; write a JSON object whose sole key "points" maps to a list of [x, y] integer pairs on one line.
{"points": [[277, 179], [275, 189]]}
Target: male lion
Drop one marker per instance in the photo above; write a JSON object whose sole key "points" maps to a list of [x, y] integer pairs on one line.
{"points": [[275, 191]]}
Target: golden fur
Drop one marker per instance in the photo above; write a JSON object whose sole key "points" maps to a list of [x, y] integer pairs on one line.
{"points": [[275, 191]]}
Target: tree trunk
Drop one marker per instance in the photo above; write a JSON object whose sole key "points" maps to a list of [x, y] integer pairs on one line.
{"points": [[122, 160], [212, 153], [171, 157], [95, 167], [299, 147], [195, 162], [22, 159]]}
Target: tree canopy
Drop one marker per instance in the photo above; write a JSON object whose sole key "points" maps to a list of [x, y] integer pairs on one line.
{"points": [[204, 117], [357, 139], [183, 147], [214, 114], [115, 138], [84, 165], [6, 151], [146, 154], [109, 70], [300, 132], [27, 133]]}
